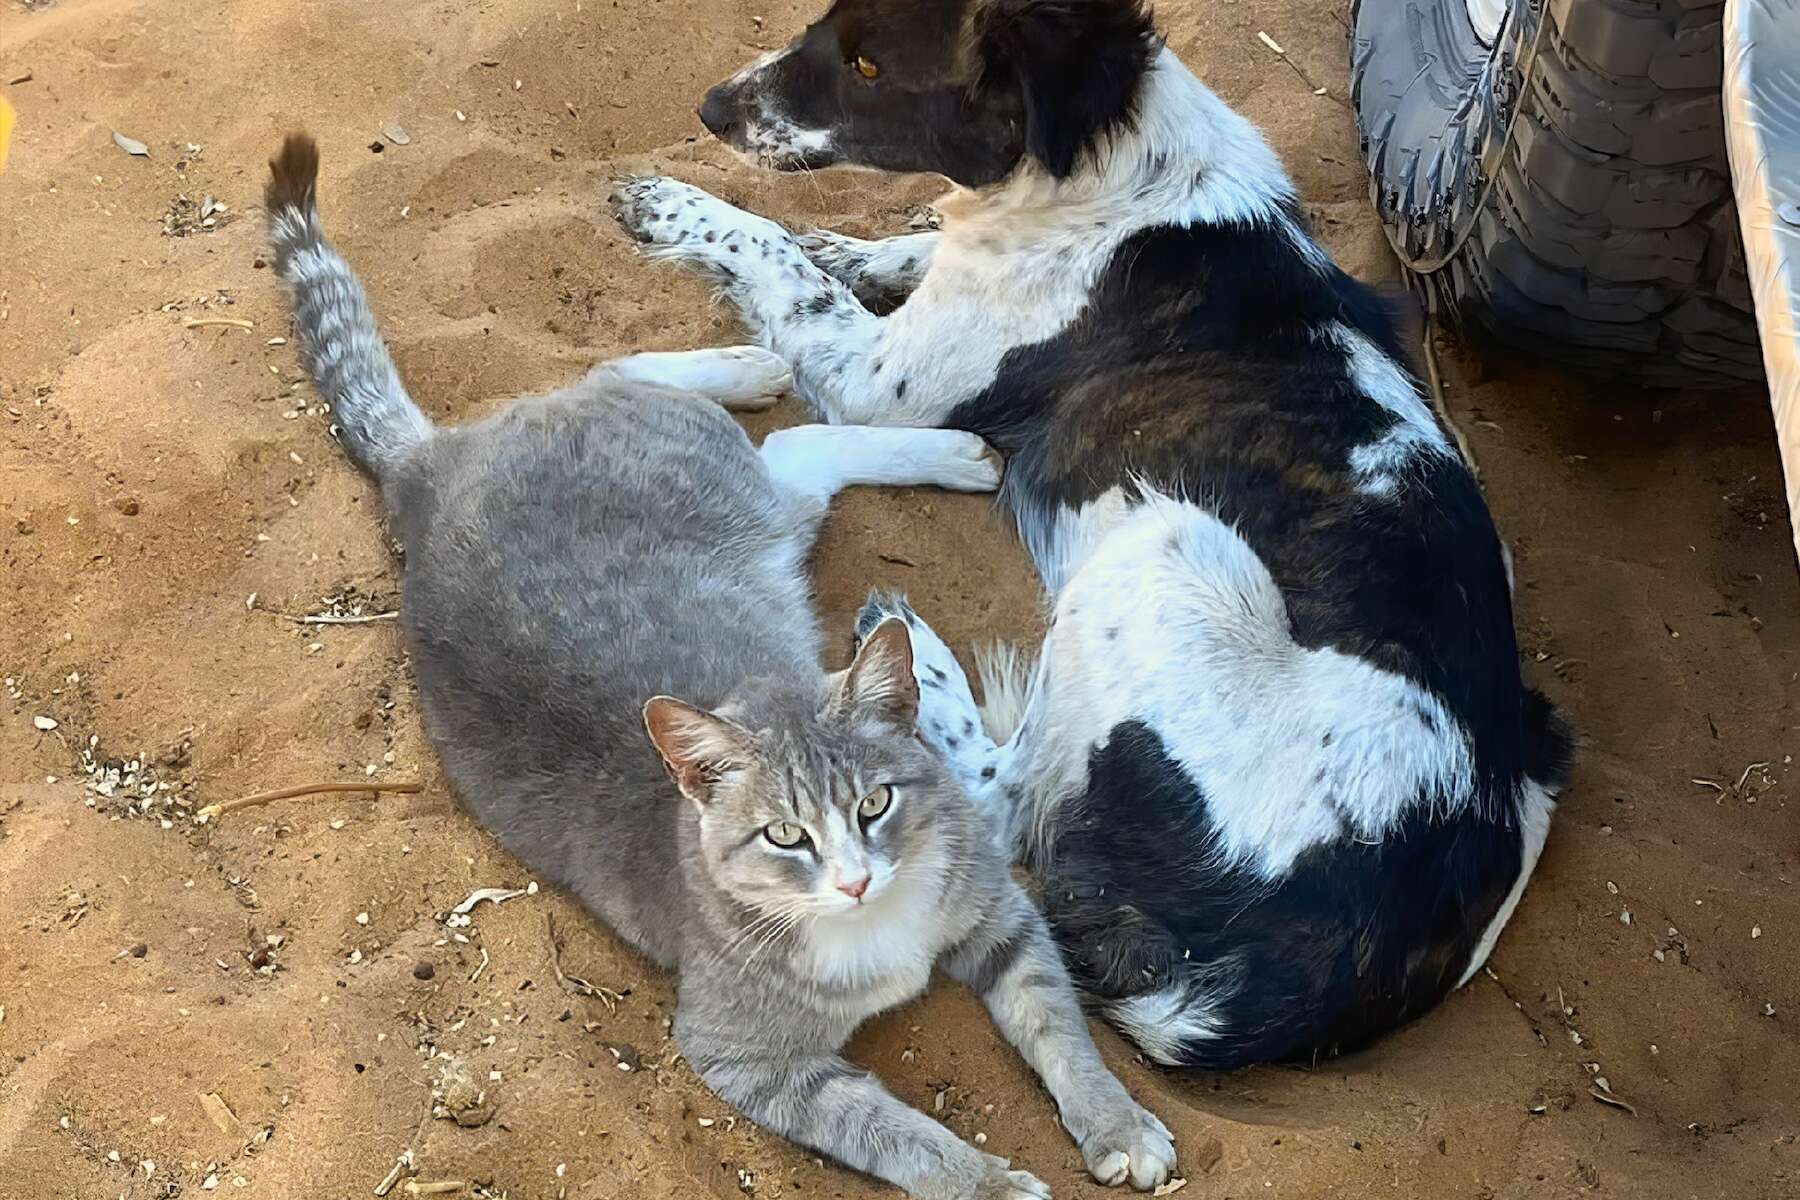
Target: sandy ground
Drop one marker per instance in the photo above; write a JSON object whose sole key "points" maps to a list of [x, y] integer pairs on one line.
{"points": [[266, 1005]]}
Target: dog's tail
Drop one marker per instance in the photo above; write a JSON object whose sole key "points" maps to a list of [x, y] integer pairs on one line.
{"points": [[377, 422], [1549, 743]]}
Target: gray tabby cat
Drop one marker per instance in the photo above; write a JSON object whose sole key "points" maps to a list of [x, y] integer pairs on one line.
{"points": [[574, 562]]}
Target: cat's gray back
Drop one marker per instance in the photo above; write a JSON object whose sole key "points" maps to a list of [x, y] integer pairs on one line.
{"points": [[567, 559]]}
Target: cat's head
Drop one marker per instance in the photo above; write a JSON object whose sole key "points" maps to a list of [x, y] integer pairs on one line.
{"points": [[819, 806]]}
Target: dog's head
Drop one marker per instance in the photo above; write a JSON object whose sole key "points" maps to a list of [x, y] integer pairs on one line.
{"points": [[962, 88]]}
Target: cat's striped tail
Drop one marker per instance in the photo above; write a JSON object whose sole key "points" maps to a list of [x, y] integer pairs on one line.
{"points": [[375, 419]]}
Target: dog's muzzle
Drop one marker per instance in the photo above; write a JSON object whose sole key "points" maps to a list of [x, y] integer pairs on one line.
{"points": [[719, 112]]}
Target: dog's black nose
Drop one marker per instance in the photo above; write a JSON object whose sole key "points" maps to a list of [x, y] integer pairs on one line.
{"points": [[718, 112]]}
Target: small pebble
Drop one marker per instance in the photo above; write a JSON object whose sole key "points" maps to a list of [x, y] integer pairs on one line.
{"points": [[362, 918], [139, 950], [1755, 932], [423, 970], [46, 724]]}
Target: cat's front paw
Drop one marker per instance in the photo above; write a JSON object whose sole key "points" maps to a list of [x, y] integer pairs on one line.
{"points": [[1133, 1146]]}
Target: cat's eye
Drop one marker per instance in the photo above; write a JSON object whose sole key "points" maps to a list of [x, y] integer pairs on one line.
{"points": [[785, 834], [875, 803], [865, 67]]}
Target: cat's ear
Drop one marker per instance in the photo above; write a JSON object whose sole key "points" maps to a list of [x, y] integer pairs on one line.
{"points": [[880, 681], [698, 748]]}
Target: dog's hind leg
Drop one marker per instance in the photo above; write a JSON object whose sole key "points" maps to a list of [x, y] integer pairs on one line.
{"points": [[949, 720]]}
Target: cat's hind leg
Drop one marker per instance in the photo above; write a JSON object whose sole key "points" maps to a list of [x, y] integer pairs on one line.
{"points": [[740, 378]]}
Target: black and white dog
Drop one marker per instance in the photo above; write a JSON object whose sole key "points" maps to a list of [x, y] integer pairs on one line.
{"points": [[1275, 767]]}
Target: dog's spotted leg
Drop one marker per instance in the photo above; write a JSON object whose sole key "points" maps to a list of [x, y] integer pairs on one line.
{"points": [[881, 274], [949, 721], [791, 306]]}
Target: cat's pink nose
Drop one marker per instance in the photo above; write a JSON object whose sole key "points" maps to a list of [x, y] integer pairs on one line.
{"points": [[855, 889]]}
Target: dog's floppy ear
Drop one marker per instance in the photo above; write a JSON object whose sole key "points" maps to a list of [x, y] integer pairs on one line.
{"points": [[1077, 64]]}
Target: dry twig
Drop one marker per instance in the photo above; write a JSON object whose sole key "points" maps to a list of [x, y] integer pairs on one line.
{"points": [[575, 985], [332, 619], [1608, 1098], [310, 789]]}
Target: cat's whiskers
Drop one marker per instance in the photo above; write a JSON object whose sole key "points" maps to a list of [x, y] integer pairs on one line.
{"points": [[791, 919], [767, 916]]}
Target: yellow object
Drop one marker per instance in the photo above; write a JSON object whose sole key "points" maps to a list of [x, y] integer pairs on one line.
{"points": [[6, 128]]}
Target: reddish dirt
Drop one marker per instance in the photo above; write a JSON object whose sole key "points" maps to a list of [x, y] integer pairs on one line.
{"points": [[154, 477]]}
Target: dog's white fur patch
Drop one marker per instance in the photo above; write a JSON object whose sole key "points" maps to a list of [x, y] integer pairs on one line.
{"points": [[1292, 747], [1415, 437]]}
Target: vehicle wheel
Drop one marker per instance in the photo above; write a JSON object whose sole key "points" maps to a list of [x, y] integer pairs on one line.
{"points": [[1554, 172]]}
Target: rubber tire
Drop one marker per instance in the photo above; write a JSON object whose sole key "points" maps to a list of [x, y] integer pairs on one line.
{"points": [[1607, 241]]}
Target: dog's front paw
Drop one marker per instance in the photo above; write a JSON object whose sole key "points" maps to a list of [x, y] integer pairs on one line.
{"points": [[675, 217], [1133, 1146], [968, 464], [657, 210]]}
